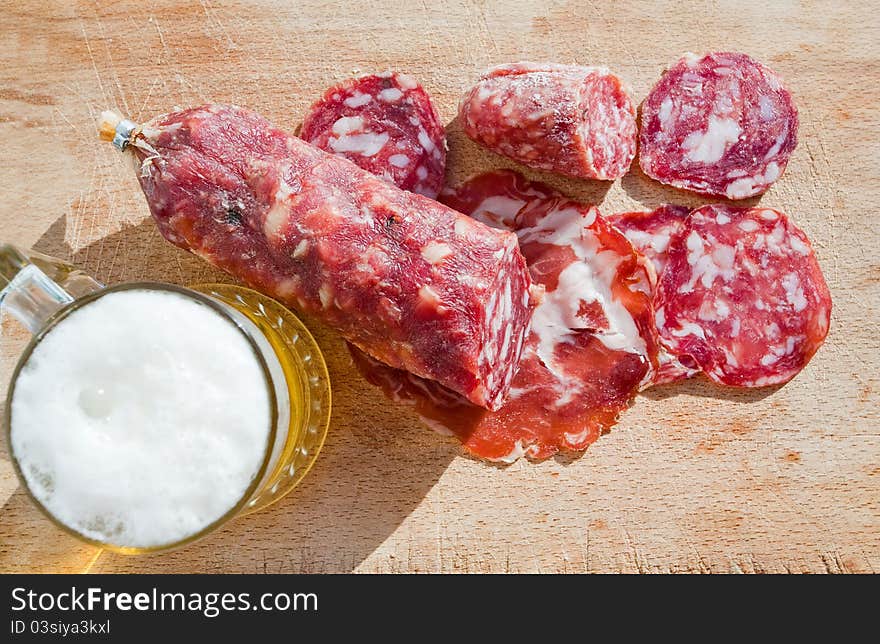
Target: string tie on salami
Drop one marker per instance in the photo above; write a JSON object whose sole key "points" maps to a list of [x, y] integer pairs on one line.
{"points": [[117, 130]]}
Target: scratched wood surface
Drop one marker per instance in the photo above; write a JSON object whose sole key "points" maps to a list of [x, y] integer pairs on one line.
{"points": [[692, 479]]}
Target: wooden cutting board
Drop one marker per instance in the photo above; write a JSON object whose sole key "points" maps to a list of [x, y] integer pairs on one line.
{"points": [[694, 478]]}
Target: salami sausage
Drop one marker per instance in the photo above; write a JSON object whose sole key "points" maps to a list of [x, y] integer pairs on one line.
{"points": [[408, 280], [578, 121], [591, 340], [496, 197], [743, 294], [651, 232], [721, 124], [386, 124]]}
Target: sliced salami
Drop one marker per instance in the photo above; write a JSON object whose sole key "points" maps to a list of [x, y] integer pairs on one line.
{"points": [[408, 280], [743, 294], [721, 124], [650, 232], [496, 197], [578, 121], [386, 124], [591, 340]]}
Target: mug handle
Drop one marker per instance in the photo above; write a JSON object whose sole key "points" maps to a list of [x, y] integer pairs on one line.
{"points": [[35, 286]]}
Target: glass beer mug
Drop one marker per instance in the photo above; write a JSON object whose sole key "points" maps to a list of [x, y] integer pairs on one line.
{"points": [[144, 415]]}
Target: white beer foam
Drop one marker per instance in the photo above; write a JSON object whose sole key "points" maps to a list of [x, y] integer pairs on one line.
{"points": [[140, 419]]}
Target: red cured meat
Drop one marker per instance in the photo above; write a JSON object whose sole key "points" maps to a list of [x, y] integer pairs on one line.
{"points": [[591, 340], [408, 280], [496, 197], [386, 124], [743, 295], [721, 124], [650, 232], [578, 121]]}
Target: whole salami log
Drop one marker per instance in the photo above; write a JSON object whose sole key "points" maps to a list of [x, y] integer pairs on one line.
{"points": [[578, 121], [386, 124], [721, 124], [743, 295], [408, 280]]}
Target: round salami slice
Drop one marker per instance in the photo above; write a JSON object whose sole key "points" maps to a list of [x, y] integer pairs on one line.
{"points": [[743, 294], [496, 197], [386, 124], [650, 232], [591, 341], [721, 124], [578, 121]]}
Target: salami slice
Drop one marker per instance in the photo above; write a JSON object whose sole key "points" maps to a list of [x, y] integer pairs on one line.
{"points": [[743, 294], [410, 281], [496, 197], [386, 124], [721, 124], [578, 121], [591, 340], [650, 232]]}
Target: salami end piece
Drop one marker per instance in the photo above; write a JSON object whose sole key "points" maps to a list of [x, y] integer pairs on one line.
{"points": [[408, 280], [743, 294], [579, 121], [721, 124], [387, 125]]}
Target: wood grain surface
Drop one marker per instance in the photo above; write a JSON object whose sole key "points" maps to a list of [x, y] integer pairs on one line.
{"points": [[694, 478]]}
